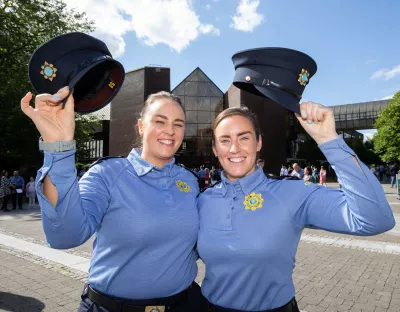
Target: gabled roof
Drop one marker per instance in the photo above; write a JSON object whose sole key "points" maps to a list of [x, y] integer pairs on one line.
{"points": [[197, 75]]}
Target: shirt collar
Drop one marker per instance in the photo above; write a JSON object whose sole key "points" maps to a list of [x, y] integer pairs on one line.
{"points": [[143, 167], [247, 183]]}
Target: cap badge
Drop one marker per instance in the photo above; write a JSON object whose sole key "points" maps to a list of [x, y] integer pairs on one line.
{"points": [[253, 201], [183, 186], [248, 78], [303, 77], [155, 309], [48, 71], [111, 84]]}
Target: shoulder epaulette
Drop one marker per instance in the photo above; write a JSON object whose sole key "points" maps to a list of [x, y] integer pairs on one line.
{"points": [[284, 177], [102, 159], [182, 166]]}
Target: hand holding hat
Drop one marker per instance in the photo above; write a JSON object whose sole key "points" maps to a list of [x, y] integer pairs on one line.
{"points": [[52, 121], [318, 121]]}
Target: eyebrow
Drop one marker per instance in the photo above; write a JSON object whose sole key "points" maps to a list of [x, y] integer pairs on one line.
{"points": [[239, 134], [166, 118]]}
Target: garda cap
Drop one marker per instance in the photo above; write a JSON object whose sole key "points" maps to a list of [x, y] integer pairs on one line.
{"points": [[81, 62], [276, 73]]}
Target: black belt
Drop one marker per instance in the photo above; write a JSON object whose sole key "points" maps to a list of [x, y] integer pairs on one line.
{"points": [[291, 306], [115, 304]]}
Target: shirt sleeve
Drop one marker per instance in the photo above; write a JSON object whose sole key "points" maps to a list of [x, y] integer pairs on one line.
{"points": [[360, 208], [80, 206]]}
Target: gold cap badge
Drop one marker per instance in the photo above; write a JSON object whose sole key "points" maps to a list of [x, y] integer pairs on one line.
{"points": [[183, 186], [253, 201], [303, 77], [48, 71]]}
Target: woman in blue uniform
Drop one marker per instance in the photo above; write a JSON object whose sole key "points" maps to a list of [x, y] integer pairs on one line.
{"points": [[141, 208], [250, 228]]}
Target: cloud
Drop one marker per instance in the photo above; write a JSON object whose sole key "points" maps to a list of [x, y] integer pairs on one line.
{"points": [[208, 28], [386, 74], [207, 6], [387, 97], [170, 22], [247, 18], [370, 62]]}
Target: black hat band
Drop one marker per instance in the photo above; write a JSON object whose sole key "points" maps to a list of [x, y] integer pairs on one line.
{"points": [[271, 84]]}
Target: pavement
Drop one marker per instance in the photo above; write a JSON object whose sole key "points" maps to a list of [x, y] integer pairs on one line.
{"points": [[334, 272]]}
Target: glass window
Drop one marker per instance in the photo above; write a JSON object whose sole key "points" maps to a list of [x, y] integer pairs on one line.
{"points": [[203, 104], [191, 88], [204, 117], [204, 130], [191, 116], [191, 130], [190, 102]]}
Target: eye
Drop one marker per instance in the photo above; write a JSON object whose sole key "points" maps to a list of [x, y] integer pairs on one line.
{"points": [[179, 125], [160, 122], [224, 141], [244, 138]]}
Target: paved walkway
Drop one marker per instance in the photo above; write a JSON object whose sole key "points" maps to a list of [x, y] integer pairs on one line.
{"points": [[333, 272]]}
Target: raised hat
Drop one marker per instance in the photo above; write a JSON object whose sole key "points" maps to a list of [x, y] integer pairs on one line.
{"points": [[276, 73], [81, 62]]}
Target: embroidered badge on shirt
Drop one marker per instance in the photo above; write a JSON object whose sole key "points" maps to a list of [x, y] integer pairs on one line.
{"points": [[253, 201], [183, 186]]}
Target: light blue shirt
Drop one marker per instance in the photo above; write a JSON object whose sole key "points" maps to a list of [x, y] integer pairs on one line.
{"points": [[250, 253], [18, 181], [145, 220]]}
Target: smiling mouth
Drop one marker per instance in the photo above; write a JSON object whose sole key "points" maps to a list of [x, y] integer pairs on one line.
{"points": [[167, 142], [237, 160]]}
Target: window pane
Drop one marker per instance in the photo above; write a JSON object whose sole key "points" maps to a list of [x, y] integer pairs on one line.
{"points": [[190, 103], [204, 103], [204, 117], [191, 130], [191, 116]]}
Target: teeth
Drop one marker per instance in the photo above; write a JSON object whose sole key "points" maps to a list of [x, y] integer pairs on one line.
{"points": [[237, 160], [168, 142]]}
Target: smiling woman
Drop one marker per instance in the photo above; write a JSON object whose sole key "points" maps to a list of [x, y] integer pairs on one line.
{"points": [[250, 228], [142, 210]]}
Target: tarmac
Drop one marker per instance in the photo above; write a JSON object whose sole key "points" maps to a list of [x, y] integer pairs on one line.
{"points": [[334, 272]]}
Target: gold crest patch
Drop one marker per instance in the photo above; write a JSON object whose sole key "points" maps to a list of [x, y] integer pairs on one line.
{"points": [[253, 201], [183, 186]]}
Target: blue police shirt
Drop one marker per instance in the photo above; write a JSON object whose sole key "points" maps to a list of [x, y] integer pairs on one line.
{"points": [[145, 220], [18, 181], [250, 229]]}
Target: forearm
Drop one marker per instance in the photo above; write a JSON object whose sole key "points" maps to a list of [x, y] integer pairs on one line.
{"points": [[50, 191]]}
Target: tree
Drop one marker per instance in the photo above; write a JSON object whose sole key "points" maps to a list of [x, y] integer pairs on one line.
{"points": [[310, 151], [387, 138], [25, 25]]}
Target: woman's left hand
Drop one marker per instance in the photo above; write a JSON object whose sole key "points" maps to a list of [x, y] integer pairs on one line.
{"points": [[318, 121]]}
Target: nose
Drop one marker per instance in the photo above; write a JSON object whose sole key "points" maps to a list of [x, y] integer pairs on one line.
{"points": [[234, 148], [170, 130]]}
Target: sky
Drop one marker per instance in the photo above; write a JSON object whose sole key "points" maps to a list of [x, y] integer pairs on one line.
{"points": [[355, 43]]}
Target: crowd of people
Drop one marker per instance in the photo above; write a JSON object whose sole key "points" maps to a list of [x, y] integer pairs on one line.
{"points": [[14, 188], [386, 173], [309, 174]]}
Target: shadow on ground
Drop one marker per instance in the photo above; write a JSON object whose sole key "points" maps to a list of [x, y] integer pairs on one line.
{"points": [[13, 302]]}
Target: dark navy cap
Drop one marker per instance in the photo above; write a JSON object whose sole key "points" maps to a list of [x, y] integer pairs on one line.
{"points": [[81, 62], [276, 73]]}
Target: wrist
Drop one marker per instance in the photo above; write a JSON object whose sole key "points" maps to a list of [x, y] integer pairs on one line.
{"points": [[326, 139], [58, 146]]}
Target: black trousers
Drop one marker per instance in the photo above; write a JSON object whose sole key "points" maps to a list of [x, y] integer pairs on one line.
{"points": [[5, 202], [194, 302], [14, 198]]}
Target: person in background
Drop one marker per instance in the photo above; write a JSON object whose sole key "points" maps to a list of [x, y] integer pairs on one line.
{"points": [[5, 190], [31, 192], [19, 187], [297, 171], [315, 174], [260, 163], [308, 177], [322, 176], [393, 171]]}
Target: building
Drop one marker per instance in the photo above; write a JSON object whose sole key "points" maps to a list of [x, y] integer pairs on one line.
{"points": [[203, 101]]}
